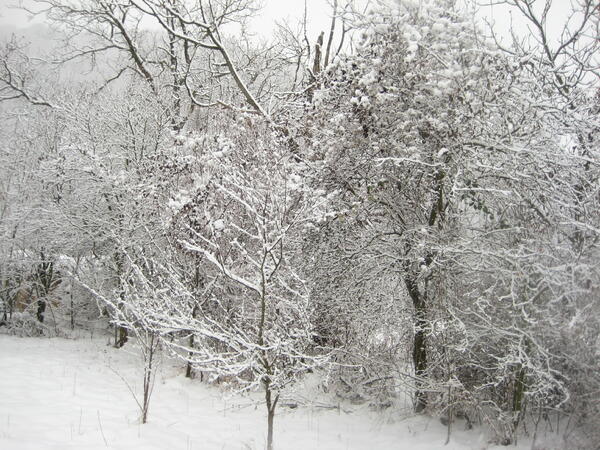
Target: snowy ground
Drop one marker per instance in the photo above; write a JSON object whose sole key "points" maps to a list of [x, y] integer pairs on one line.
{"points": [[72, 394]]}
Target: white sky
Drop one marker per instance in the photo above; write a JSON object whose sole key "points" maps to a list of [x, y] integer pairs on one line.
{"points": [[319, 16], [506, 18]]}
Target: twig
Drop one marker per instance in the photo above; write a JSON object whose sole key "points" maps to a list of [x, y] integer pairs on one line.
{"points": [[101, 430], [131, 390]]}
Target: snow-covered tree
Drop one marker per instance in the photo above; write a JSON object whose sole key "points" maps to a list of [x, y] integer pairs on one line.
{"points": [[438, 150], [242, 217]]}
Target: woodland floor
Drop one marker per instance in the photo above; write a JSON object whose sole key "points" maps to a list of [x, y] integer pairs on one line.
{"points": [[73, 394]]}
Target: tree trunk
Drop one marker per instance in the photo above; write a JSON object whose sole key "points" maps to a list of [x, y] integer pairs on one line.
{"points": [[72, 312], [419, 353], [189, 370], [518, 396], [122, 336], [270, 417], [43, 286], [41, 309], [420, 301], [151, 342], [318, 52], [4, 301], [271, 405]]}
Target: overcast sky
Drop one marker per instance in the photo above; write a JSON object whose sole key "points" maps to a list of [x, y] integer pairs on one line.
{"points": [[319, 13]]}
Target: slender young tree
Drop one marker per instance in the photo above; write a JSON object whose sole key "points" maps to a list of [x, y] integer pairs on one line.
{"points": [[243, 217]]}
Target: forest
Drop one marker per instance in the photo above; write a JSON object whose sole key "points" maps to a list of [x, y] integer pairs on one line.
{"points": [[408, 205]]}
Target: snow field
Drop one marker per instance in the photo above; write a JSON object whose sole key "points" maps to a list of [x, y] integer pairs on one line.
{"points": [[58, 394]]}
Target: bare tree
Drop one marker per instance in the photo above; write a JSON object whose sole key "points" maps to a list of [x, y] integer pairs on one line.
{"points": [[559, 42]]}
